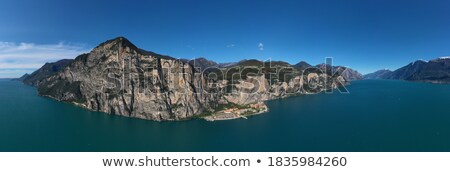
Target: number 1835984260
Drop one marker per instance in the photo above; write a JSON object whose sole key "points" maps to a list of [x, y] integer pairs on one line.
{"points": [[308, 161]]}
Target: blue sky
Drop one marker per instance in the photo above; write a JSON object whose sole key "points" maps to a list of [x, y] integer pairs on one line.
{"points": [[364, 35]]}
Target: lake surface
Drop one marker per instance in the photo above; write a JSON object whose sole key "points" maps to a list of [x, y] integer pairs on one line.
{"points": [[377, 115]]}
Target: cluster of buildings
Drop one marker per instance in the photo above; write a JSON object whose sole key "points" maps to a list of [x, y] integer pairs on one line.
{"points": [[233, 113], [254, 108]]}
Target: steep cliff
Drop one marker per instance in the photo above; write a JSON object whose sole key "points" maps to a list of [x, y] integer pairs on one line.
{"points": [[116, 77], [347, 73]]}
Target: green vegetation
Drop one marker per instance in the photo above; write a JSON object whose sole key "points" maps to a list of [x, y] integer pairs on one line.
{"points": [[60, 87], [204, 114], [230, 105]]}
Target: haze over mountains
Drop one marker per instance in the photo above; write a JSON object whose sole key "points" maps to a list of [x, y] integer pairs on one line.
{"points": [[45, 71], [435, 71], [116, 77], [380, 74]]}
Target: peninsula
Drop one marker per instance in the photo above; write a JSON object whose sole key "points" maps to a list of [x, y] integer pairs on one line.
{"points": [[119, 78]]}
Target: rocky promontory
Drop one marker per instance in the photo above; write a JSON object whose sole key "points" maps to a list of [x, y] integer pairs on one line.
{"points": [[117, 77]]}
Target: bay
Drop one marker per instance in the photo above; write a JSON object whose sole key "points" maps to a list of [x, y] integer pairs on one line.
{"points": [[376, 115]]}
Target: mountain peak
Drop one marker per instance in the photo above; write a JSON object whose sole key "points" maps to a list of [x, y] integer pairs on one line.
{"points": [[118, 40], [302, 62], [420, 61], [302, 65], [124, 42]]}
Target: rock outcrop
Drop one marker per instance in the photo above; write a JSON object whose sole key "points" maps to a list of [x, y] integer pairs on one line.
{"points": [[116, 77], [347, 73]]}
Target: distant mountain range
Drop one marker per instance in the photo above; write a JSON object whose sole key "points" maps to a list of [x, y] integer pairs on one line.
{"points": [[435, 71], [380, 74], [45, 71], [117, 77]]}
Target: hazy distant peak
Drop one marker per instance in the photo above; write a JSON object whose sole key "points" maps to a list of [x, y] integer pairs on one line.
{"points": [[302, 65]]}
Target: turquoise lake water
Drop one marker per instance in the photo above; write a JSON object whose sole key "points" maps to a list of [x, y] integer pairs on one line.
{"points": [[377, 115]]}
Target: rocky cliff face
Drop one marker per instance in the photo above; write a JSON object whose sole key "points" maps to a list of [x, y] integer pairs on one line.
{"points": [[202, 63], [273, 80], [118, 78], [302, 65], [347, 73]]}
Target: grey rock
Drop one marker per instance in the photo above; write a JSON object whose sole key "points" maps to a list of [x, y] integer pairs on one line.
{"points": [[118, 78]]}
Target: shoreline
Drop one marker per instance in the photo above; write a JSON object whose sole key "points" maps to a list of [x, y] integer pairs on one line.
{"points": [[219, 116], [235, 113]]}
